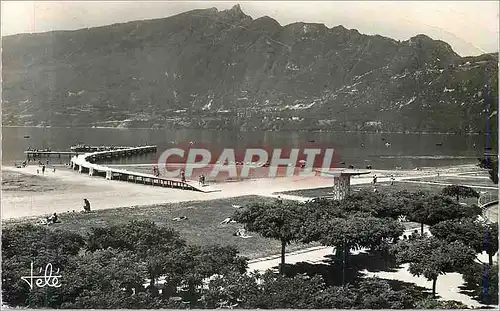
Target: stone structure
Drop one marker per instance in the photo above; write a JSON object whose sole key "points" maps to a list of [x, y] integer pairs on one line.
{"points": [[342, 182]]}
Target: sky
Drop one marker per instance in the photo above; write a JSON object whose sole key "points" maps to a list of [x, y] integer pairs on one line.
{"points": [[470, 27]]}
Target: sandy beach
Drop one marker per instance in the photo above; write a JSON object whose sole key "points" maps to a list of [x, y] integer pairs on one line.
{"points": [[27, 194]]}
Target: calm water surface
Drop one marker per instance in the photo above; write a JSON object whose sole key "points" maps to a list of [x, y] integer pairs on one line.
{"points": [[406, 150]]}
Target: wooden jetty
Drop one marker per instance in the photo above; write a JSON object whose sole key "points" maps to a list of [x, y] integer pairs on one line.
{"points": [[37, 154], [76, 150], [86, 163], [85, 148]]}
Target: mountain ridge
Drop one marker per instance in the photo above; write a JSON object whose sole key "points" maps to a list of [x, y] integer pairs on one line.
{"points": [[230, 71]]}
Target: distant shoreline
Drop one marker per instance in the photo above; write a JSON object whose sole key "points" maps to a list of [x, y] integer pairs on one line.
{"points": [[243, 131]]}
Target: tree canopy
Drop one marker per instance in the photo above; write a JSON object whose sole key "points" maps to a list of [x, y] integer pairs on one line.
{"points": [[478, 235], [155, 245], [483, 281], [431, 210], [23, 244], [432, 257], [280, 220], [458, 192], [377, 204], [359, 230], [272, 291]]}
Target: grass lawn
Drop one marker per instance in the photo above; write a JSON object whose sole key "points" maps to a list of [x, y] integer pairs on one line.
{"points": [[383, 186], [460, 181], [201, 227]]}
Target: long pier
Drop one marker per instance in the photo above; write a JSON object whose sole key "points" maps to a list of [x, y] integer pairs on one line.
{"points": [[86, 163], [85, 148], [75, 150]]}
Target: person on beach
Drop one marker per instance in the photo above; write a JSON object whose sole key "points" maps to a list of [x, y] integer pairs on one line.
{"points": [[37, 171], [53, 219], [392, 179], [86, 206], [43, 169], [183, 176], [54, 170], [374, 180], [202, 179]]}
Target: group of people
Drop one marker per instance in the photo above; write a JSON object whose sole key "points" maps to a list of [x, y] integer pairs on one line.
{"points": [[201, 179], [54, 218], [43, 170], [414, 235]]}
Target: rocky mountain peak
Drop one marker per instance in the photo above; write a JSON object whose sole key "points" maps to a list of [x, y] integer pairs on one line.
{"points": [[235, 13]]}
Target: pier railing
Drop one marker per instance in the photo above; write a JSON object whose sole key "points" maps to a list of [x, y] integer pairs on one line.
{"points": [[86, 163]]}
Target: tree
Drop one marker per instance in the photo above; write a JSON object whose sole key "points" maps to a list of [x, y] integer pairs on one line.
{"points": [[233, 290], [281, 221], [432, 257], [459, 192], [375, 293], [428, 303], [283, 292], [274, 291], [412, 205], [493, 171], [483, 280], [473, 233], [353, 232], [377, 204], [102, 279], [23, 244], [193, 265], [155, 245], [29, 240], [434, 209]]}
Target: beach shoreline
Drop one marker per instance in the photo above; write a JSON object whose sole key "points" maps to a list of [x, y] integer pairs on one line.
{"points": [[68, 188]]}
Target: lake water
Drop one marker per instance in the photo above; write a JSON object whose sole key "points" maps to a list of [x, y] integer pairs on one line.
{"points": [[406, 150]]}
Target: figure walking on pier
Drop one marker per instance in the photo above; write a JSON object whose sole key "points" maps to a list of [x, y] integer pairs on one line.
{"points": [[183, 176], [156, 171]]}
